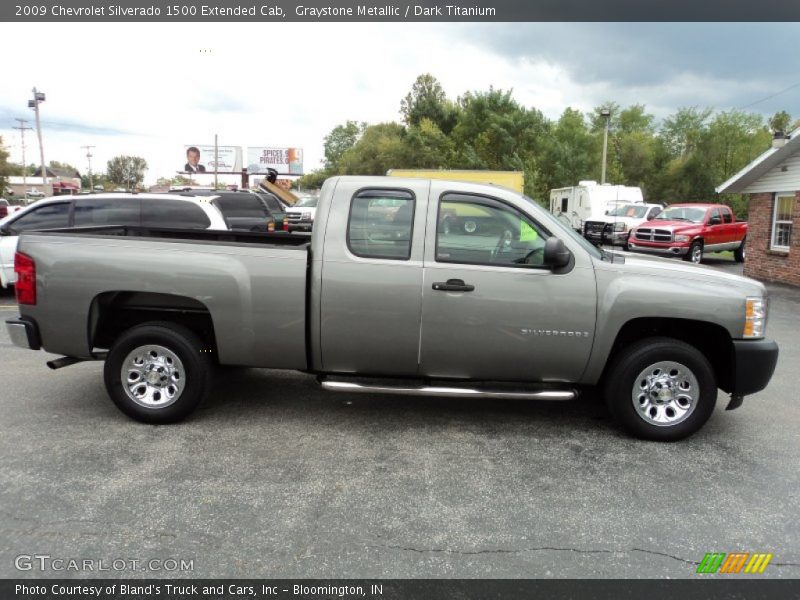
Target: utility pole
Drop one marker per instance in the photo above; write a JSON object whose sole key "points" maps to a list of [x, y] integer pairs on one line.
{"points": [[216, 160], [89, 158], [38, 97], [22, 128], [606, 114]]}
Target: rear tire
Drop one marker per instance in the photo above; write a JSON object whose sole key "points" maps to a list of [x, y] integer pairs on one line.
{"points": [[158, 372], [739, 253], [661, 389]]}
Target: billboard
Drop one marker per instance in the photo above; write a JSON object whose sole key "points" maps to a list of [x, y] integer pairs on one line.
{"points": [[200, 159], [286, 161]]}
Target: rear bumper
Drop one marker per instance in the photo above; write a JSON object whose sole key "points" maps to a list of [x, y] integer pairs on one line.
{"points": [[754, 364], [24, 333], [666, 250]]}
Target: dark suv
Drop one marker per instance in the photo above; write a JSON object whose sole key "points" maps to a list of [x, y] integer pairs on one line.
{"points": [[244, 210]]}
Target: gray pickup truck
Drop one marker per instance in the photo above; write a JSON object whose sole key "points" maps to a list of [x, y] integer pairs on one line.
{"points": [[406, 286]]}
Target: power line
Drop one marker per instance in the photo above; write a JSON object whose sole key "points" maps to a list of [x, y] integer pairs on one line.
{"points": [[791, 87]]}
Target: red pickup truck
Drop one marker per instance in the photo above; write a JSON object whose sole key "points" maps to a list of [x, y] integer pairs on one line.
{"points": [[689, 230]]}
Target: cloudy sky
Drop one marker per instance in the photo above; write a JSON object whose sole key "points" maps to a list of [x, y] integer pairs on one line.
{"points": [[149, 89]]}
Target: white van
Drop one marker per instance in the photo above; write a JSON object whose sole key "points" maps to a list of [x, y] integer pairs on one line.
{"points": [[589, 201]]}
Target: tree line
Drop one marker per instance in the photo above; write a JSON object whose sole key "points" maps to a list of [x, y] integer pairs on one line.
{"points": [[681, 158]]}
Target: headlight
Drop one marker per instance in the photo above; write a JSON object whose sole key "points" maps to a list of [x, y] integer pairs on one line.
{"points": [[681, 238], [306, 215], [620, 227], [755, 320]]}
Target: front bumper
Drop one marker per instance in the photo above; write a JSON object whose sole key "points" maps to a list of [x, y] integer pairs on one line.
{"points": [[666, 250], [299, 226], [754, 364], [24, 333]]}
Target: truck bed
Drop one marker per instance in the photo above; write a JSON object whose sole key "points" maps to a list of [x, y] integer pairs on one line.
{"points": [[251, 285]]}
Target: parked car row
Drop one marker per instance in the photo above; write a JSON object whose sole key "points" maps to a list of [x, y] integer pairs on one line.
{"points": [[684, 230], [198, 209]]}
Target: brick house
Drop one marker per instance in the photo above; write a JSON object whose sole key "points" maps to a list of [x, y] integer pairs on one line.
{"points": [[773, 232]]}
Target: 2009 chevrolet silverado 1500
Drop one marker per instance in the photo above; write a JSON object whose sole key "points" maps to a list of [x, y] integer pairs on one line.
{"points": [[406, 286]]}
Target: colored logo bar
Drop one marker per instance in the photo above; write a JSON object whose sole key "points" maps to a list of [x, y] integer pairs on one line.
{"points": [[735, 562]]}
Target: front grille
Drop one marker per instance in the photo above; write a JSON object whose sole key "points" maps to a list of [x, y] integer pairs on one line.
{"points": [[294, 217], [594, 227], [647, 234]]}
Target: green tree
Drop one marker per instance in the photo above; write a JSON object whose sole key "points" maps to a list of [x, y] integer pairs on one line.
{"points": [[427, 147], [427, 100], [339, 140], [5, 169], [127, 171], [380, 148], [682, 131], [570, 153], [781, 121]]}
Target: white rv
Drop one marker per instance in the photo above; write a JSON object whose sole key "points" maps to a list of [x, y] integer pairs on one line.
{"points": [[588, 201]]}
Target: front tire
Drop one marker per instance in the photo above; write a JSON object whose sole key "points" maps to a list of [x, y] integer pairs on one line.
{"points": [[661, 389], [695, 254], [158, 372]]}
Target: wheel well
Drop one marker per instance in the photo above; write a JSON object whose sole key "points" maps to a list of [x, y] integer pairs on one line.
{"points": [[112, 313], [712, 340]]}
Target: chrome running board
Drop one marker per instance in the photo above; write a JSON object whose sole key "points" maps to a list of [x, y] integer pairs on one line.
{"points": [[452, 392]]}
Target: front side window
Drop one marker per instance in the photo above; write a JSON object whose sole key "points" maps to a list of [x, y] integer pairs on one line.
{"points": [[483, 231], [380, 224], [51, 216], [107, 211], [173, 214], [782, 222]]}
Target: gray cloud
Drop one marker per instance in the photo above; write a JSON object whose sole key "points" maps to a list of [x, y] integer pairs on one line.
{"points": [[7, 115], [749, 60]]}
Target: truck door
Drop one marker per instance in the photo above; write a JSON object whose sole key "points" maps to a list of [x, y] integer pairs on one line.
{"points": [[371, 287], [490, 310], [715, 230]]}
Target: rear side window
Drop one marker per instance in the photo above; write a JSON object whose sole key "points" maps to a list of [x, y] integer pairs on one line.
{"points": [[175, 214], [380, 224], [726, 215], [241, 206], [271, 202], [52, 216], [107, 211]]}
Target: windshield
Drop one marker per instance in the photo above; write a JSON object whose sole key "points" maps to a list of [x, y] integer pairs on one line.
{"points": [[559, 229], [636, 211], [310, 202], [683, 213]]}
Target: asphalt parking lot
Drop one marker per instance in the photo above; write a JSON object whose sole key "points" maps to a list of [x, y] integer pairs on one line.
{"points": [[275, 478]]}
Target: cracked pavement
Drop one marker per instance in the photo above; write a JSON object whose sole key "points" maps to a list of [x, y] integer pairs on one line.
{"points": [[275, 478]]}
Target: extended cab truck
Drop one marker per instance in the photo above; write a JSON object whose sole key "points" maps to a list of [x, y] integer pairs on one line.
{"points": [[690, 230], [504, 302]]}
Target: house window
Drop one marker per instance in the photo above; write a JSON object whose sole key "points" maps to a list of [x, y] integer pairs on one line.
{"points": [[782, 221]]}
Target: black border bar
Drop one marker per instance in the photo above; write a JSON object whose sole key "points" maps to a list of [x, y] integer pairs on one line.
{"points": [[729, 588], [399, 11]]}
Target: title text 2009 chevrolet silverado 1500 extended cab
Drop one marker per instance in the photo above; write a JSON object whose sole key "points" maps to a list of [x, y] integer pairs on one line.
{"points": [[407, 286]]}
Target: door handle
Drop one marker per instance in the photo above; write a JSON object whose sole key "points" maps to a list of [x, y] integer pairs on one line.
{"points": [[453, 285]]}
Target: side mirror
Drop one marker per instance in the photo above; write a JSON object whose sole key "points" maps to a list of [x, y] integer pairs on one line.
{"points": [[4, 230], [556, 254], [715, 221]]}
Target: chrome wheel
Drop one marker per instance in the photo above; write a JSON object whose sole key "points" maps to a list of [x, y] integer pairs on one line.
{"points": [[153, 376], [697, 253], [665, 393]]}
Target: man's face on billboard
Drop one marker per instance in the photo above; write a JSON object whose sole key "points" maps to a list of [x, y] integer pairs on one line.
{"points": [[193, 157]]}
